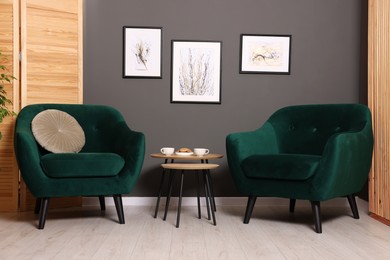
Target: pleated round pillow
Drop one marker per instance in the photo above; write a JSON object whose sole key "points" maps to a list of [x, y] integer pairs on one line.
{"points": [[58, 132]]}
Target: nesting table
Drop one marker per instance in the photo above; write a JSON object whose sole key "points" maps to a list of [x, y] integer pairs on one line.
{"points": [[192, 163]]}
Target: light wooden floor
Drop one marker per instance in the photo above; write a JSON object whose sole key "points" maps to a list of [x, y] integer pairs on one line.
{"points": [[272, 233]]}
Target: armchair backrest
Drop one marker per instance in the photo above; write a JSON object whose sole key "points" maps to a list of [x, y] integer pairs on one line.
{"points": [[97, 122], [305, 129]]}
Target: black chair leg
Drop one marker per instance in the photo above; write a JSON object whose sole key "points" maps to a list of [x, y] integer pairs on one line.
{"points": [[292, 204], [249, 208], [43, 212], [119, 208], [37, 206], [352, 203], [102, 202], [317, 215]]}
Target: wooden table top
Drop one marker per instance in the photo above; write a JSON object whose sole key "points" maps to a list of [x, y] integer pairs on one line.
{"points": [[189, 166], [187, 157]]}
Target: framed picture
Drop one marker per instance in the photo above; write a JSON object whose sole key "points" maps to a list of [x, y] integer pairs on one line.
{"points": [[142, 53], [196, 72], [265, 54]]}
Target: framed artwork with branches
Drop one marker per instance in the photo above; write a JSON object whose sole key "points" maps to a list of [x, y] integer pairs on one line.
{"points": [[196, 72], [142, 52], [265, 54]]}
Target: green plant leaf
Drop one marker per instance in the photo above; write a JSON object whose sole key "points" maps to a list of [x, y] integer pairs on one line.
{"points": [[4, 101]]}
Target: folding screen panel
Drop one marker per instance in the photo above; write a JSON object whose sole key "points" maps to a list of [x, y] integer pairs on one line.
{"points": [[51, 42], [379, 102], [48, 37], [9, 46], [51, 64]]}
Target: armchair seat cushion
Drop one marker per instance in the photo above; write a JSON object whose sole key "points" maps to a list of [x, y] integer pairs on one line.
{"points": [[81, 165], [289, 167]]}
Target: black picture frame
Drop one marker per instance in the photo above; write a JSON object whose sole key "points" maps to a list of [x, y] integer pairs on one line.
{"points": [[196, 71], [142, 52], [265, 54]]}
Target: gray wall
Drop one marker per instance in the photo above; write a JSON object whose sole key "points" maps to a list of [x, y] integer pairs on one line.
{"points": [[325, 68]]}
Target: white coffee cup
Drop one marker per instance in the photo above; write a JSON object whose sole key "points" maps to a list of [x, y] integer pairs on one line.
{"points": [[167, 150], [201, 151]]}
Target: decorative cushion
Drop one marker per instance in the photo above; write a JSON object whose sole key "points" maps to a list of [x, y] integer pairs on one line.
{"points": [[58, 132], [82, 165], [289, 167]]}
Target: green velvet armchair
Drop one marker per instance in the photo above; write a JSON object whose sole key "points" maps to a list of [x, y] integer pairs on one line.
{"points": [[306, 152], [109, 163]]}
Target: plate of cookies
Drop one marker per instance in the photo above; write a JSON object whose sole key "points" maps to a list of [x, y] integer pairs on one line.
{"points": [[184, 151]]}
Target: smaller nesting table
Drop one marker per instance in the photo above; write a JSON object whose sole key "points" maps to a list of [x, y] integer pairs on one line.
{"points": [[204, 167]]}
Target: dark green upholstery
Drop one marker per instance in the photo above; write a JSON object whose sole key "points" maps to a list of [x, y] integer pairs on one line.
{"points": [[282, 166], [309, 152], [109, 163], [82, 165]]}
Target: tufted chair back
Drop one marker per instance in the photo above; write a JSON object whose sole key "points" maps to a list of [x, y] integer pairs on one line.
{"points": [[98, 123], [306, 129]]}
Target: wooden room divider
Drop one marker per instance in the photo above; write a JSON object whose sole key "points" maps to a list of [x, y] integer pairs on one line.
{"points": [[43, 41], [379, 103]]}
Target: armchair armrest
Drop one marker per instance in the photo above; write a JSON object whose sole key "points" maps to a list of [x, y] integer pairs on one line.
{"points": [[131, 146], [242, 145], [345, 164], [28, 157], [260, 141]]}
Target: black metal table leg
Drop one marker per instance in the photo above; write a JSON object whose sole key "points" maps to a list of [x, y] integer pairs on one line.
{"points": [[159, 191], [198, 195], [211, 186], [207, 174], [172, 174], [207, 194], [180, 197], [214, 207]]}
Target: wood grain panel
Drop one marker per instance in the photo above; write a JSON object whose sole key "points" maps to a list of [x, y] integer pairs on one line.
{"points": [[9, 44], [379, 102], [51, 45], [52, 51]]}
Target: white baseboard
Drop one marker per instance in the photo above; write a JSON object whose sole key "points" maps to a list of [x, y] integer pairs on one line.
{"points": [[219, 201]]}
